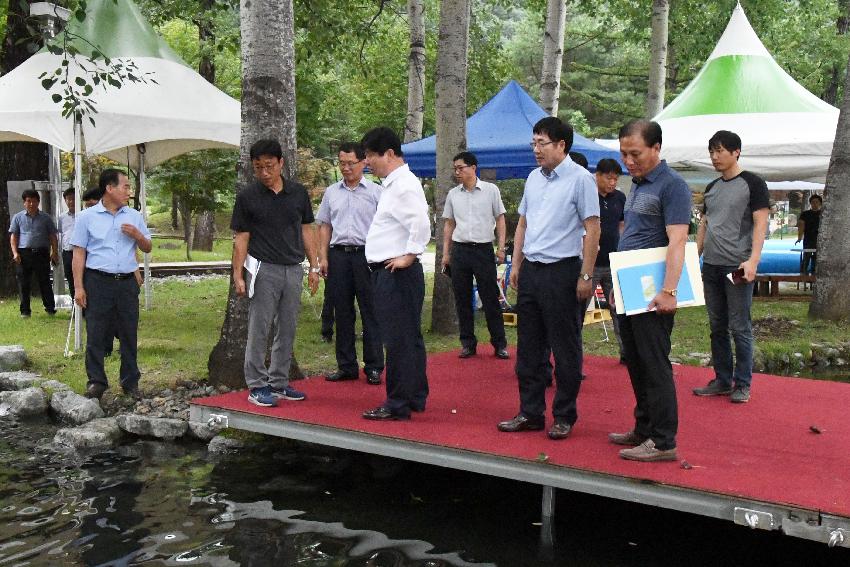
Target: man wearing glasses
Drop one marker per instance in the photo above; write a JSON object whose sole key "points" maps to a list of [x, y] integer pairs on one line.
{"points": [[552, 272], [472, 209], [344, 217], [273, 227]]}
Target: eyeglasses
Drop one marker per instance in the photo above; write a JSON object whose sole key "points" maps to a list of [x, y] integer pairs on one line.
{"points": [[266, 167], [538, 144], [461, 167], [343, 164]]}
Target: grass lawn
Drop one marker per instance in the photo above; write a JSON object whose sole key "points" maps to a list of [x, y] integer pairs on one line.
{"points": [[178, 333], [174, 250]]}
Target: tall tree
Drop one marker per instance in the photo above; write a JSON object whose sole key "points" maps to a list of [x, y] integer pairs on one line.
{"points": [[657, 58], [450, 87], [553, 55], [18, 160], [205, 223], [268, 111], [415, 71], [842, 25], [831, 300]]}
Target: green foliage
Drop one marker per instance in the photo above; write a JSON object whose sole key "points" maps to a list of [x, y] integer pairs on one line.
{"points": [[203, 180]]}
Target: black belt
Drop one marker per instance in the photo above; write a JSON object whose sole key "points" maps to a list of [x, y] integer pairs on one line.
{"points": [[474, 244], [376, 266], [348, 248], [110, 275], [34, 249], [568, 260]]}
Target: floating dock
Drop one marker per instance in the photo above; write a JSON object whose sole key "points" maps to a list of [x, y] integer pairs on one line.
{"points": [[780, 462]]}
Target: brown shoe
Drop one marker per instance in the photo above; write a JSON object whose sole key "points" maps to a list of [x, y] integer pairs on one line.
{"points": [[559, 430], [521, 423], [95, 390], [630, 438], [647, 453]]}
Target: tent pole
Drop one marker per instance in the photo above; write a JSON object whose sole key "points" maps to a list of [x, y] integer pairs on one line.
{"points": [[55, 198], [143, 194], [78, 182]]}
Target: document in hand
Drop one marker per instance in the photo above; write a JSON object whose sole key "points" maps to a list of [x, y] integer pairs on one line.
{"points": [[638, 276]]}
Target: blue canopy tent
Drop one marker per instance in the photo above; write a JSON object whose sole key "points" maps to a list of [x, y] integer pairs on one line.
{"points": [[498, 134]]}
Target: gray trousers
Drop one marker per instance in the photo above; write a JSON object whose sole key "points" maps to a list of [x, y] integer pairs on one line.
{"points": [[277, 295]]}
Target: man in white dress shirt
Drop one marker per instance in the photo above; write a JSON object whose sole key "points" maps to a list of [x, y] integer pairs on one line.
{"points": [[397, 237]]}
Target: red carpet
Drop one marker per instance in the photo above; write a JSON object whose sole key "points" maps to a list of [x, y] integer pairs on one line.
{"points": [[764, 450]]}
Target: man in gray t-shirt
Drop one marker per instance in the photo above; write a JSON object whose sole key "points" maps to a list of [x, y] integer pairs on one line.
{"points": [[730, 239]]}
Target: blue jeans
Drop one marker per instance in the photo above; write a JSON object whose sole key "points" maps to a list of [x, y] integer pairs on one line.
{"points": [[728, 308]]}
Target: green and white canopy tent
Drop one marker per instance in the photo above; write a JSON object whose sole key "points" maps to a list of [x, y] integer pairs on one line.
{"points": [[140, 124], [787, 132]]}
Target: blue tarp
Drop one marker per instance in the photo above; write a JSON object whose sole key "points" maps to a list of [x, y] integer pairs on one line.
{"points": [[498, 134]]}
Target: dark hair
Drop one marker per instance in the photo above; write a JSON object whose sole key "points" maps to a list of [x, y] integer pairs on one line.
{"points": [[68, 191], [352, 148], [30, 194], [265, 147], [579, 158], [556, 130], [650, 131], [381, 139], [92, 194], [108, 177], [467, 157], [609, 165], [818, 197], [729, 141]]}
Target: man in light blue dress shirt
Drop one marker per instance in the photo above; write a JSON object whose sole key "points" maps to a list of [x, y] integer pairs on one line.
{"points": [[105, 240], [344, 216], [553, 273], [32, 236]]}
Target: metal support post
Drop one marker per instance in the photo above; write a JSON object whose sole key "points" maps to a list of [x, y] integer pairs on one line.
{"points": [[547, 529]]}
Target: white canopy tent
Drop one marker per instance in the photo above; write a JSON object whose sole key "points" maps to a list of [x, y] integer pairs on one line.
{"points": [[144, 123], [787, 132]]}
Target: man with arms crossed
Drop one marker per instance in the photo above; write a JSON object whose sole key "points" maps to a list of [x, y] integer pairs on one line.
{"points": [[658, 212], [105, 240], [553, 273], [345, 214], [472, 209], [730, 237], [398, 235], [273, 223]]}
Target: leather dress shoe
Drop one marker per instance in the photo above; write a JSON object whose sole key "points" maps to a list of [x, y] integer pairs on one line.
{"points": [[502, 353], [383, 414], [629, 438], [466, 352], [95, 390], [520, 423], [133, 392], [373, 377], [559, 430], [418, 408], [340, 376]]}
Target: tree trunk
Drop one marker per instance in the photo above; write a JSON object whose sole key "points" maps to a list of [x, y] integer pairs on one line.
{"points": [[415, 71], [553, 55], [268, 111], [657, 58], [842, 25], [205, 221], [186, 218], [204, 234], [451, 138], [175, 222], [18, 160], [831, 300]]}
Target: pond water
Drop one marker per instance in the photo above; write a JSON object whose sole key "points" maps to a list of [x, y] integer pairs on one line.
{"points": [[149, 503]]}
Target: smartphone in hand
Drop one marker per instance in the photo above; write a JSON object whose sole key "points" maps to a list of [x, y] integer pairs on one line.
{"points": [[737, 277]]}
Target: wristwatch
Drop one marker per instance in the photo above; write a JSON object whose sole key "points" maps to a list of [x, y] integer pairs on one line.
{"points": [[669, 291], [315, 270], [586, 277]]}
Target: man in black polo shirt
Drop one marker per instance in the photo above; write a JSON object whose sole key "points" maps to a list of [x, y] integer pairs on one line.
{"points": [[273, 225]]}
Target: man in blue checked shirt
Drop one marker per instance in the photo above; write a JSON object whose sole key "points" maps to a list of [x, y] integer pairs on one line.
{"points": [[105, 240]]}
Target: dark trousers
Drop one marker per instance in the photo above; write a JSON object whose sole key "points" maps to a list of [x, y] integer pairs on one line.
{"points": [[112, 310], [398, 307], [67, 266], [547, 309], [478, 261], [646, 347], [349, 278], [327, 314], [34, 261]]}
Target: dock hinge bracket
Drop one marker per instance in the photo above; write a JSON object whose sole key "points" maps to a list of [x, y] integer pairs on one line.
{"points": [[217, 421], [755, 519]]}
